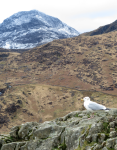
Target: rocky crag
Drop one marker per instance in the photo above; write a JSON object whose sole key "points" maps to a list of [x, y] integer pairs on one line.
{"points": [[75, 131]]}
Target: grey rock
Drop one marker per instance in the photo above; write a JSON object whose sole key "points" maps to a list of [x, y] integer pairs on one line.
{"points": [[81, 115], [84, 122], [24, 147], [47, 131], [89, 138], [104, 148], [74, 122], [101, 137], [97, 147], [113, 111], [2, 140], [59, 119], [115, 147], [71, 137], [103, 143], [88, 148], [113, 134], [84, 117], [111, 142], [14, 132], [19, 145], [49, 144], [70, 115], [9, 146], [112, 129], [95, 128], [46, 144], [26, 129], [94, 137], [112, 124]]}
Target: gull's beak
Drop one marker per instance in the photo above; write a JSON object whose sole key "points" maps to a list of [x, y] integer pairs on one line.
{"points": [[82, 100]]}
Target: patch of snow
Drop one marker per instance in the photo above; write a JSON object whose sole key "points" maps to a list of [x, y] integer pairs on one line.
{"points": [[5, 34], [23, 46], [39, 29], [7, 45], [67, 30], [21, 20], [46, 40]]}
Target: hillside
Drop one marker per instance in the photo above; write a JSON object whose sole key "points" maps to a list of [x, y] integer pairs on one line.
{"points": [[103, 29], [48, 81], [34, 102], [80, 62]]}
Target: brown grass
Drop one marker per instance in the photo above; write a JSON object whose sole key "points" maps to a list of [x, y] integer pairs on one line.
{"points": [[49, 79]]}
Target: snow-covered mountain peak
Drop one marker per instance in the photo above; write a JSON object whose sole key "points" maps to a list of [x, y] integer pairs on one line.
{"points": [[22, 17], [28, 29]]}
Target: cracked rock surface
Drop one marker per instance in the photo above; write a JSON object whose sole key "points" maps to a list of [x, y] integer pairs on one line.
{"points": [[75, 131]]}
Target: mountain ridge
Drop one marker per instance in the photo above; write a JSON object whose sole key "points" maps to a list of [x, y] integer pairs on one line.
{"points": [[103, 29]]}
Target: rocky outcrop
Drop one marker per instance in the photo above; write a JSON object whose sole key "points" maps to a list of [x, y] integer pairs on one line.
{"points": [[75, 131]]}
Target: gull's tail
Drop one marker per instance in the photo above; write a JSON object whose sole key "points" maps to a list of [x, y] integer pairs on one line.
{"points": [[107, 109]]}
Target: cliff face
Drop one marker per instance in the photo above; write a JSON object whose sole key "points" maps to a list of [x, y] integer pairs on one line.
{"points": [[71, 132]]}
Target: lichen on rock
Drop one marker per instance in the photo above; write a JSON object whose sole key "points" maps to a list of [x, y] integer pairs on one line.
{"points": [[71, 132]]}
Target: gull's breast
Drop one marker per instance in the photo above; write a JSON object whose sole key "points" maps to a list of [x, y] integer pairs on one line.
{"points": [[86, 106]]}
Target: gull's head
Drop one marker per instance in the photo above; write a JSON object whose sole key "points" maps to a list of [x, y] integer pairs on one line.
{"points": [[86, 99]]}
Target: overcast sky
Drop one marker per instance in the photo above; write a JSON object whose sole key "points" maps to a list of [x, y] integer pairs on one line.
{"points": [[83, 15]]}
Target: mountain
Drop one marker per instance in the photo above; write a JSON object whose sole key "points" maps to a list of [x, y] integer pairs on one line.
{"points": [[103, 29], [28, 29]]}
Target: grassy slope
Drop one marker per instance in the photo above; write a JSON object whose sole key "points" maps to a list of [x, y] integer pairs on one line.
{"points": [[47, 81]]}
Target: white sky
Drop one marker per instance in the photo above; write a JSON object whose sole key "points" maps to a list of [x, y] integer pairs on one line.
{"points": [[83, 15]]}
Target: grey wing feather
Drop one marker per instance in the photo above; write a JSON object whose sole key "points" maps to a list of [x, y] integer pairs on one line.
{"points": [[95, 106]]}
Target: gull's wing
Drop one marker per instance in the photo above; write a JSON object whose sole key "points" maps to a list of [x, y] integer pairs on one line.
{"points": [[96, 106]]}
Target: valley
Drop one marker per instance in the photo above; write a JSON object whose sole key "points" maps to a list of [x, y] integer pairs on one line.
{"points": [[49, 81]]}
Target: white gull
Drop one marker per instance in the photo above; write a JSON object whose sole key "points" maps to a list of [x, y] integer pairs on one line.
{"points": [[93, 106]]}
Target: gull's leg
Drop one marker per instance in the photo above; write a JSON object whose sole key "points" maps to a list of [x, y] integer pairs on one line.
{"points": [[92, 116]]}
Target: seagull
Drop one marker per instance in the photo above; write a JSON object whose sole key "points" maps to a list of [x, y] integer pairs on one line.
{"points": [[92, 106]]}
